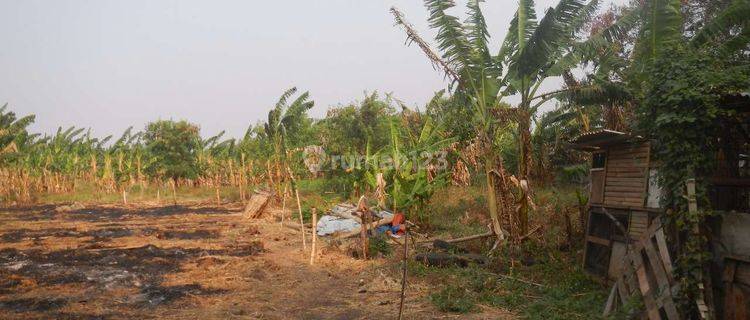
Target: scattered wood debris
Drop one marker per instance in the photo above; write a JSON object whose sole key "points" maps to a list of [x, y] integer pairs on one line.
{"points": [[647, 273]]}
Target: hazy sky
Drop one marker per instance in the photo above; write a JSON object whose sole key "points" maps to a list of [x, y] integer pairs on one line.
{"points": [[107, 65]]}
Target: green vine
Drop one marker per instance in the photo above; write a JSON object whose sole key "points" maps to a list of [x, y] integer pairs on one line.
{"points": [[680, 110]]}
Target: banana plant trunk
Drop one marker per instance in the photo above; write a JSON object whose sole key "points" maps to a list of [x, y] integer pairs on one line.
{"points": [[524, 165], [492, 197]]}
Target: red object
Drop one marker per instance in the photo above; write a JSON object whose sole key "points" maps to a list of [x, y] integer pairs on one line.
{"points": [[398, 219]]}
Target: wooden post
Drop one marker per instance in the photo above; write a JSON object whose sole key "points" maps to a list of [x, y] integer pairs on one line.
{"points": [[218, 197], [313, 252], [365, 242], [364, 215], [403, 276], [174, 191], [299, 206], [301, 219], [283, 203]]}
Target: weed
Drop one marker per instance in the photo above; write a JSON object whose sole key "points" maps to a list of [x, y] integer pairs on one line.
{"points": [[453, 298], [379, 245]]}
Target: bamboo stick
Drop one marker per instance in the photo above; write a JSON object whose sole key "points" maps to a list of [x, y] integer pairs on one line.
{"points": [[313, 252], [283, 203], [299, 206]]}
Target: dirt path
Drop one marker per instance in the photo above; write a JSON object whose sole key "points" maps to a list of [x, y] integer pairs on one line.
{"points": [[186, 262]]}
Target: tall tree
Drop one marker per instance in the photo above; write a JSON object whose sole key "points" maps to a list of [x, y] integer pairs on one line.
{"points": [[174, 145]]}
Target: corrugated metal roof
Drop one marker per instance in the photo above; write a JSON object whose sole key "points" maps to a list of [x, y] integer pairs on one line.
{"points": [[594, 140]]}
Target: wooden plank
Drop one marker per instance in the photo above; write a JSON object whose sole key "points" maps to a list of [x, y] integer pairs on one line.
{"points": [[611, 300], [634, 233], [667, 303], [623, 194], [618, 196], [625, 164], [622, 291], [623, 179], [615, 201], [741, 302], [597, 186], [629, 160], [640, 175], [645, 287], [622, 203], [630, 183], [657, 267], [619, 189], [629, 273], [628, 169], [628, 152], [597, 240], [661, 242]]}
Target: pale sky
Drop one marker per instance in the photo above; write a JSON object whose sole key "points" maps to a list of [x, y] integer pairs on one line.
{"points": [[108, 65]]}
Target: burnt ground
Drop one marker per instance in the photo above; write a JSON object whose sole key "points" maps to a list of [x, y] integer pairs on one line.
{"points": [[114, 262]]}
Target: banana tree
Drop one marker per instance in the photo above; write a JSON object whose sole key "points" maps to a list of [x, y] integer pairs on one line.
{"points": [[474, 75], [622, 51], [530, 53], [12, 130], [412, 167], [284, 121]]}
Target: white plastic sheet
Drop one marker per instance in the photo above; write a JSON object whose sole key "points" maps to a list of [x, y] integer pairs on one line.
{"points": [[330, 224]]}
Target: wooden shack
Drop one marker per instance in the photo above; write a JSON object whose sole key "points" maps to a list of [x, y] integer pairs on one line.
{"points": [[622, 188], [624, 200]]}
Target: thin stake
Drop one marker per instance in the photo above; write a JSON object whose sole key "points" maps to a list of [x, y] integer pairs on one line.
{"points": [[299, 207], [283, 204], [403, 278], [314, 234]]}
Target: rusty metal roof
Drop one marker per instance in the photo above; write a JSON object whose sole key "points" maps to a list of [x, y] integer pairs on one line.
{"points": [[595, 140]]}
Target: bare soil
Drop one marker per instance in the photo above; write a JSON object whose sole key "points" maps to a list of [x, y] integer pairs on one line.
{"points": [[188, 262]]}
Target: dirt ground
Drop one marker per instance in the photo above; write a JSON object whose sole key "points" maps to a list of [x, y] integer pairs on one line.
{"points": [[187, 262]]}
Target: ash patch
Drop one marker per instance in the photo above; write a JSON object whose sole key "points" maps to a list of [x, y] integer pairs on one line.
{"points": [[156, 295], [18, 235], [30, 213], [188, 235], [32, 304], [99, 214], [108, 233], [107, 268]]}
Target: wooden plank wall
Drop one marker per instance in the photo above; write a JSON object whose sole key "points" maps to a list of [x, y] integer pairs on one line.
{"points": [[597, 186], [638, 224], [627, 175]]}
